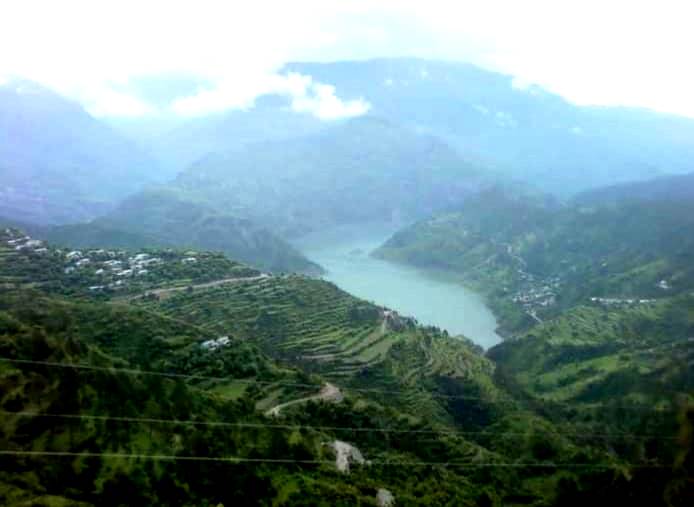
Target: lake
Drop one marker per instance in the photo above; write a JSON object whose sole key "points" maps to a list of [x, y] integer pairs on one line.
{"points": [[344, 253]]}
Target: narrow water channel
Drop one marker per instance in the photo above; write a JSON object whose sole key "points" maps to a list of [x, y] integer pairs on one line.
{"points": [[344, 253]]}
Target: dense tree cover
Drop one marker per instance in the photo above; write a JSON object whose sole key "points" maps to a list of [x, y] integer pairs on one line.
{"points": [[507, 245], [164, 217], [440, 423], [359, 171]]}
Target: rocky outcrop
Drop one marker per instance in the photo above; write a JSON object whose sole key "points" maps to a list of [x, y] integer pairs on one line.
{"points": [[346, 455], [385, 498]]}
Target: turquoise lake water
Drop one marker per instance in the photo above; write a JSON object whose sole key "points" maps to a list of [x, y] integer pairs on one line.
{"points": [[344, 253]]}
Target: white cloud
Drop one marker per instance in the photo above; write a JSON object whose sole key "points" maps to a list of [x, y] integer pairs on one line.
{"points": [[632, 52], [305, 95], [320, 100], [104, 101]]}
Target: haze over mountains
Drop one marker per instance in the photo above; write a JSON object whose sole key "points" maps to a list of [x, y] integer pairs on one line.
{"points": [[59, 164], [435, 132], [524, 131], [141, 345], [357, 171]]}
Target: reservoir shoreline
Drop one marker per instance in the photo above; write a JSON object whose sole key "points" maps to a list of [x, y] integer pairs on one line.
{"points": [[344, 253]]}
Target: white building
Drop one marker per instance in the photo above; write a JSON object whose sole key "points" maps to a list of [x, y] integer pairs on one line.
{"points": [[220, 342]]}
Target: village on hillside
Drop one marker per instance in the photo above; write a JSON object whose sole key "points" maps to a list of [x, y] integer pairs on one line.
{"points": [[99, 270]]}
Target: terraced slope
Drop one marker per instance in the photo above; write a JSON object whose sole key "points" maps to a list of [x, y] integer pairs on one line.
{"points": [[480, 431], [295, 319], [638, 355]]}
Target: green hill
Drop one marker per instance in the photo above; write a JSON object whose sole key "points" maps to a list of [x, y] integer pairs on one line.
{"points": [[168, 398], [530, 255], [158, 218], [358, 171]]}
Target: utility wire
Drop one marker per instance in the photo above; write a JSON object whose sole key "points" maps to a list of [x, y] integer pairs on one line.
{"points": [[238, 460], [241, 424], [132, 371]]}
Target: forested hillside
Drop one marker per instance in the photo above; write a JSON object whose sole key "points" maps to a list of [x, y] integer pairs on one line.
{"points": [[162, 217], [204, 382], [360, 171], [535, 257]]}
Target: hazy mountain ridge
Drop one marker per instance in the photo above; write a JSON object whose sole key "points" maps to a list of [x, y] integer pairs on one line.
{"points": [[523, 131], [163, 218], [269, 120], [59, 164], [677, 188], [62, 165], [360, 170]]}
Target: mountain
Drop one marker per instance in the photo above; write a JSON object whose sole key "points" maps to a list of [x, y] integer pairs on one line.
{"points": [[524, 131], [361, 170], [269, 120], [59, 164], [163, 218], [676, 188], [535, 257], [171, 388], [601, 353]]}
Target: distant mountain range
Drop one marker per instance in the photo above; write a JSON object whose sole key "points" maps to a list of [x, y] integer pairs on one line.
{"points": [[674, 188], [525, 132], [362, 170], [157, 218], [58, 163], [435, 134]]}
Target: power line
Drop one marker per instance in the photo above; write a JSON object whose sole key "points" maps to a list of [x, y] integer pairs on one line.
{"points": [[238, 460], [132, 371], [356, 429]]}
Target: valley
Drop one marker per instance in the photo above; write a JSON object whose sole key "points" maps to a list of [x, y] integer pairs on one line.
{"points": [[315, 393], [377, 282], [344, 253]]}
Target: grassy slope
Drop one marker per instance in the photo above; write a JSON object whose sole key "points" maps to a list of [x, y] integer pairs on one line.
{"points": [[603, 251], [283, 329], [587, 367]]}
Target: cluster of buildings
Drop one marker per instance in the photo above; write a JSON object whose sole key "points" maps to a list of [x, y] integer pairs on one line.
{"points": [[537, 294], [110, 264], [96, 269], [24, 242]]}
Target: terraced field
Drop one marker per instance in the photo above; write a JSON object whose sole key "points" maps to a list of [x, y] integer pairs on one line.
{"points": [[374, 354], [293, 318], [21, 268]]}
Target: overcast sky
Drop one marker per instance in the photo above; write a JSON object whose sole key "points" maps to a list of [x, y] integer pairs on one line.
{"points": [[590, 51]]}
